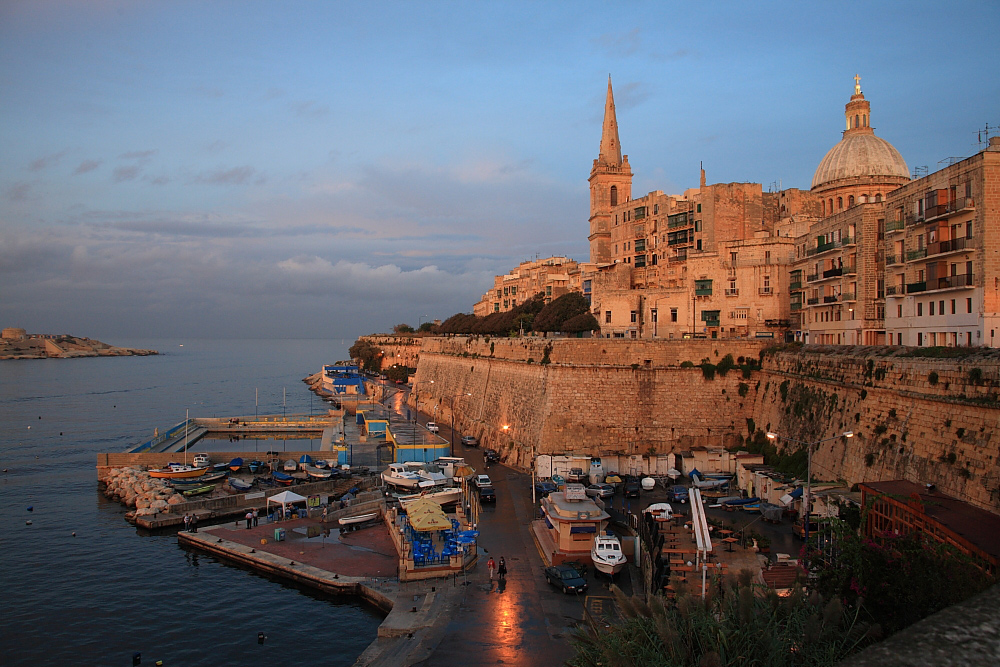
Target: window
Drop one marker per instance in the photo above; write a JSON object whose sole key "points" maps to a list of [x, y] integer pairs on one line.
{"points": [[652, 315], [941, 307], [850, 201], [878, 197], [607, 317], [640, 261], [513, 290], [697, 225], [968, 305], [699, 208], [496, 307], [506, 291], [952, 306], [767, 256], [899, 310], [920, 339], [920, 308], [710, 318], [673, 314], [703, 288], [640, 245], [732, 258], [656, 209], [634, 316], [548, 290], [697, 245], [932, 308], [614, 196], [840, 203]]}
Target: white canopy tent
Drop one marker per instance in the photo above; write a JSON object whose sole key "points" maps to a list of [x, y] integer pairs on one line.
{"points": [[285, 498]]}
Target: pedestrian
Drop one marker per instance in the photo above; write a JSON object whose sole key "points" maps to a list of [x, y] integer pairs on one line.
{"points": [[324, 512], [249, 518], [187, 522], [256, 518], [492, 567], [502, 569], [194, 523]]}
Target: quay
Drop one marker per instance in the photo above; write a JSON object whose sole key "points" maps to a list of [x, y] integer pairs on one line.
{"points": [[186, 434]]}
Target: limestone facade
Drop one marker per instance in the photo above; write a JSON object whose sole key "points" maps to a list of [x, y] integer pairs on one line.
{"points": [[551, 277]]}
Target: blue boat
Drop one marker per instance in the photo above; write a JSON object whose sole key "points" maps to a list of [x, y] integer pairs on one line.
{"points": [[742, 501], [282, 478], [305, 460], [236, 464], [255, 466]]}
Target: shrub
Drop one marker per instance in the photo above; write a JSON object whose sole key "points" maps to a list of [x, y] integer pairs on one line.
{"points": [[976, 375], [725, 365], [932, 377], [687, 364], [743, 389], [869, 459], [708, 370], [960, 432]]}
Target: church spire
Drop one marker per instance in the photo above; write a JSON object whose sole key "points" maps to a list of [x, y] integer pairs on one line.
{"points": [[858, 111], [611, 149]]}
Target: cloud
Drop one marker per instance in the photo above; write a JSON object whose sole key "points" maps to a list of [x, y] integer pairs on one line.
{"points": [[620, 44], [46, 161], [217, 146], [678, 54], [630, 95], [311, 109], [19, 192], [138, 155], [158, 180], [85, 166], [232, 176], [129, 173]]}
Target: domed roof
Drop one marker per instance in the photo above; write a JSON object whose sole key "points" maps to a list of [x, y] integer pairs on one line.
{"points": [[860, 154]]}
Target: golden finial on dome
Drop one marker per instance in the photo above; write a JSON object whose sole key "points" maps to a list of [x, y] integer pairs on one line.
{"points": [[857, 84]]}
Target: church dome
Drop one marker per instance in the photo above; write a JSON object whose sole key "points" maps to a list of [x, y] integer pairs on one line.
{"points": [[860, 155]]}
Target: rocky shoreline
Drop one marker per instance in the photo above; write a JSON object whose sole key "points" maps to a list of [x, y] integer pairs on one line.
{"points": [[18, 345], [134, 488]]}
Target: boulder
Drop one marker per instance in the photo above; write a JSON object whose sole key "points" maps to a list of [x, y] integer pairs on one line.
{"points": [[158, 505], [145, 512], [141, 502], [175, 499]]}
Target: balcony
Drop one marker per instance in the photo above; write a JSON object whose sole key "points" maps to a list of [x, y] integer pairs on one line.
{"points": [[893, 259], [919, 253], [812, 277], [796, 305], [812, 301], [703, 292], [942, 210], [797, 284], [895, 290], [831, 245], [848, 296], [951, 282], [831, 298], [914, 219], [732, 291], [953, 245], [833, 273], [894, 226], [765, 291], [912, 288]]}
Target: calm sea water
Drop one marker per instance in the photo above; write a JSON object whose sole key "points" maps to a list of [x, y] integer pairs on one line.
{"points": [[110, 591]]}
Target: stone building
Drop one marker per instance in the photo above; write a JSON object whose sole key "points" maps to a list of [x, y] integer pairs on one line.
{"points": [[552, 277], [942, 247]]}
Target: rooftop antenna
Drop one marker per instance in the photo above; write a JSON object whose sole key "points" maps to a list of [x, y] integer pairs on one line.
{"points": [[919, 172], [983, 135]]}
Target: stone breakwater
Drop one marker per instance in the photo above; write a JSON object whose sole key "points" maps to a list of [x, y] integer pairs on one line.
{"points": [[135, 489]]}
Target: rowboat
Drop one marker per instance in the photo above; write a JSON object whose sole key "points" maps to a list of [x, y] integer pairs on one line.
{"points": [[357, 518], [442, 497], [198, 490], [195, 481], [317, 473], [239, 486], [255, 466], [236, 464], [305, 460], [290, 465], [177, 472], [282, 478]]}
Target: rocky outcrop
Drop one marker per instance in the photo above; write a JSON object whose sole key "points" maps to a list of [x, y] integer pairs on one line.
{"points": [[134, 488]]}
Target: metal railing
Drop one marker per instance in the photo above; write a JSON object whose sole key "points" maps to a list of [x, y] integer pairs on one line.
{"points": [[916, 287], [764, 291], [951, 282], [919, 253], [894, 226], [893, 259], [952, 245], [732, 291]]}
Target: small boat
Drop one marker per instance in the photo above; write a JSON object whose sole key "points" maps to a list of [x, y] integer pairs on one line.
{"points": [[177, 472], [290, 465], [321, 464], [239, 486], [317, 473], [660, 511], [398, 476], [751, 507], [441, 497], [357, 518], [220, 467], [741, 502], [198, 490], [194, 481], [255, 466], [607, 554], [305, 460], [201, 461], [282, 478], [236, 464]]}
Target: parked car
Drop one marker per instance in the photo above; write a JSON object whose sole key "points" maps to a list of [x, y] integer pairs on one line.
{"points": [[543, 489], [566, 578], [576, 475], [470, 441], [491, 455], [677, 494], [600, 491], [432, 427], [632, 487], [482, 480], [487, 495]]}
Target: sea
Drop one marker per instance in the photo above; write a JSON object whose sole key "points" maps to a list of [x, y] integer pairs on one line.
{"points": [[81, 586]]}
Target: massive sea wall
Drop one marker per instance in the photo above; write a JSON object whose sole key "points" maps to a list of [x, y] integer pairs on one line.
{"points": [[928, 420]]}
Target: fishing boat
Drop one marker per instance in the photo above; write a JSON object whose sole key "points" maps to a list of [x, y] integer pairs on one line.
{"points": [[398, 476], [441, 497], [201, 479], [357, 518], [198, 490], [201, 461], [236, 464], [607, 554], [429, 472], [177, 472], [220, 467], [282, 478], [239, 486], [290, 465], [255, 466], [317, 473], [305, 460]]}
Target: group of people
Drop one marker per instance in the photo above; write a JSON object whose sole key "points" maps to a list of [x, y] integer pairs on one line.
{"points": [[251, 518], [495, 570], [191, 523]]}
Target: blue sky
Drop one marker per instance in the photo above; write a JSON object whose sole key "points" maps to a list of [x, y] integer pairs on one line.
{"points": [[313, 169]]}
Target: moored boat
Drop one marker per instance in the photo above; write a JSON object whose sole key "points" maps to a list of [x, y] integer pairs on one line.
{"points": [[357, 518], [201, 461], [290, 465], [398, 476], [195, 481], [317, 473], [198, 490], [282, 478], [239, 486], [441, 497], [607, 554], [236, 464], [177, 472]]}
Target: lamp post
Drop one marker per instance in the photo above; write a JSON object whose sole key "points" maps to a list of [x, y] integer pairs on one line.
{"points": [[451, 400], [807, 498]]}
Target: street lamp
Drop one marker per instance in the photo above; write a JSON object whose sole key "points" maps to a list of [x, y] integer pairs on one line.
{"points": [[451, 400], [807, 499]]}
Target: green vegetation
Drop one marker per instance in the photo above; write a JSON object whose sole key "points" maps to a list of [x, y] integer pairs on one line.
{"points": [[368, 355], [932, 378], [402, 329], [397, 372], [570, 313], [743, 389]]}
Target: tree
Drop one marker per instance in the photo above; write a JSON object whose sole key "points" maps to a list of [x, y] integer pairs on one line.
{"points": [[397, 372], [554, 314], [426, 327], [368, 355], [581, 322], [402, 329]]}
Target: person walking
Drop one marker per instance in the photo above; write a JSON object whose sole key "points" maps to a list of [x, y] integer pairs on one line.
{"points": [[194, 523], [249, 518], [492, 567], [502, 569], [256, 518], [187, 523]]}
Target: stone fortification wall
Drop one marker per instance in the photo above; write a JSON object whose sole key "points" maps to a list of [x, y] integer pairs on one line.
{"points": [[398, 349], [594, 351], [925, 420]]}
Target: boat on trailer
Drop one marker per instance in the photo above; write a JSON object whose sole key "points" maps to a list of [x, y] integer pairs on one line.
{"points": [[351, 522], [201, 461], [290, 465], [607, 554], [398, 476]]}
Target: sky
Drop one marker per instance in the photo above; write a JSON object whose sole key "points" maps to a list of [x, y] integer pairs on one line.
{"points": [[330, 169]]}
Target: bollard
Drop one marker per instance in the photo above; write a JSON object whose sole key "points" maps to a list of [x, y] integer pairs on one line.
{"points": [[261, 637], [136, 659]]}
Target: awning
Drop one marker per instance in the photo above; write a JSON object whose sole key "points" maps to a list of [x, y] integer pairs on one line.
{"points": [[583, 529]]}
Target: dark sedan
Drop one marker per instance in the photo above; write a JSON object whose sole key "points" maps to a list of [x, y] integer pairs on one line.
{"points": [[491, 455], [677, 494], [565, 578], [543, 489], [487, 495]]}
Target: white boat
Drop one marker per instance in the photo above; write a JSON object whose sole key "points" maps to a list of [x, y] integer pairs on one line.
{"points": [[201, 461], [660, 511], [398, 476], [429, 472], [317, 473], [607, 554], [290, 465], [441, 497], [357, 518]]}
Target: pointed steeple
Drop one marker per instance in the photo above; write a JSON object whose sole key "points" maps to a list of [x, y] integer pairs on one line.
{"points": [[611, 149]]}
